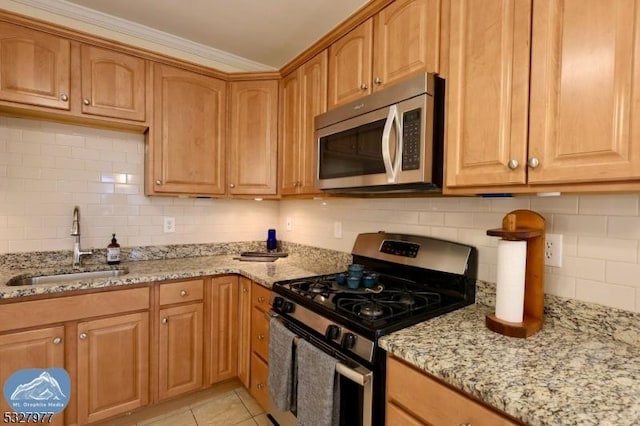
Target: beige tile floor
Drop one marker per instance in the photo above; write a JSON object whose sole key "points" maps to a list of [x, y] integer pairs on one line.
{"points": [[226, 404]]}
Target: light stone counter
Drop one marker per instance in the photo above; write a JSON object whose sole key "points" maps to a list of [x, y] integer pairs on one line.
{"points": [[160, 264], [558, 376]]}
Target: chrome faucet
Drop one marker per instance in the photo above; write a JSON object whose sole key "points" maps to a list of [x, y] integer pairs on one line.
{"points": [[75, 232]]}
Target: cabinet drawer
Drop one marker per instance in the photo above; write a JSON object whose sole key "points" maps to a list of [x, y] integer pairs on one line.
{"points": [[183, 291], [433, 402], [261, 297], [259, 376], [259, 333]]}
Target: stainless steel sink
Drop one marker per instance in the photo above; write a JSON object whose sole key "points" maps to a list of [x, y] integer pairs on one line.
{"points": [[58, 278]]}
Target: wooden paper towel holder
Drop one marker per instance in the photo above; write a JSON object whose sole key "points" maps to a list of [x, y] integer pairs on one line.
{"points": [[529, 226]]}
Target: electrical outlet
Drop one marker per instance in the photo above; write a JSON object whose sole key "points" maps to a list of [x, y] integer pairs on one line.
{"points": [[553, 250], [169, 224], [289, 224], [337, 229]]}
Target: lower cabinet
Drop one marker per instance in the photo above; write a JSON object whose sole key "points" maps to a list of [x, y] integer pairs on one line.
{"points": [[180, 358], [223, 325], [244, 332], [113, 366], [41, 348], [261, 303], [415, 398]]}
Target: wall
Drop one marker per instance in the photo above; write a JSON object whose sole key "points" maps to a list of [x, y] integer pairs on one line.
{"points": [[600, 234], [47, 168]]}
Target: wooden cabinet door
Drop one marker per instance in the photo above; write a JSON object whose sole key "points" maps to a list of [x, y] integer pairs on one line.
{"points": [[406, 40], [34, 67], [253, 137], [188, 142], [224, 328], [259, 377], [289, 149], [350, 63], [180, 359], [585, 91], [42, 348], [487, 92], [244, 331], [313, 94], [113, 366], [113, 84]]}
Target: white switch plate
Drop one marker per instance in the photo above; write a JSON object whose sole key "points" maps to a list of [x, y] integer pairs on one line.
{"points": [[337, 229], [169, 224], [289, 224], [553, 250]]}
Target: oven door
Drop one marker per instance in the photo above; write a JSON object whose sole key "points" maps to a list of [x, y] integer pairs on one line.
{"points": [[356, 385], [387, 146]]}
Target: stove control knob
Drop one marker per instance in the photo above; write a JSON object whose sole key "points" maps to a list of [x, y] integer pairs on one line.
{"points": [[348, 340], [332, 332], [277, 302], [287, 307]]}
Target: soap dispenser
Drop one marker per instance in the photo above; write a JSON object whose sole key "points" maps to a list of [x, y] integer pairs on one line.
{"points": [[113, 251]]}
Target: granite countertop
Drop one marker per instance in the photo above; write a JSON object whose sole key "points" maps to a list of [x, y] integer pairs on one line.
{"points": [[301, 262], [558, 376]]}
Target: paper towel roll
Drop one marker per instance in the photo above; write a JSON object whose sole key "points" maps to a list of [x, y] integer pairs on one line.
{"points": [[512, 264]]}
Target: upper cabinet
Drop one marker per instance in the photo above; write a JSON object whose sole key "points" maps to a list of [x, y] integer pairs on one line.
{"points": [[400, 40], [35, 67], [186, 149], [253, 137], [113, 84], [572, 124], [303, 95]]}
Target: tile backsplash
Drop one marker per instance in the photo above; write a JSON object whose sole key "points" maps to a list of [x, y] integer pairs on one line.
{"points": [[47, 168]]}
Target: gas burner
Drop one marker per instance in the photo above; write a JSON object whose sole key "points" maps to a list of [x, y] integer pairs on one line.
{"points": [[370, 310], [405, 299], [318, 287]]}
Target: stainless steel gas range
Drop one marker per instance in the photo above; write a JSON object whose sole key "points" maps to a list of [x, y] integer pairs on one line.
{"points": [[416, 278]]}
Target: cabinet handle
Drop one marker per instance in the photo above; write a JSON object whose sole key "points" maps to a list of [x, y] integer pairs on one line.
{"points": [[533, 162], [64, 97], [513, 164], [232, 185], [245, 289], [260, 299], [164, 320], [86, 101], [364, 86], [83, 336], [57, 341], [261, 337], [158, 182], [183, 293], [377, 80], [465, 424], [260, 386]]}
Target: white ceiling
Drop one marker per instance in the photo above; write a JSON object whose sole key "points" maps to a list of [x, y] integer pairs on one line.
{"points": [[269, 33]]}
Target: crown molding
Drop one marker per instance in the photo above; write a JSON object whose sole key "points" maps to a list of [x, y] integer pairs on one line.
{"points": [[123, 26]]}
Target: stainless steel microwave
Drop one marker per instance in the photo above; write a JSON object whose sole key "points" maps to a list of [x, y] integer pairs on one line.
{"points": [[388, 141]]}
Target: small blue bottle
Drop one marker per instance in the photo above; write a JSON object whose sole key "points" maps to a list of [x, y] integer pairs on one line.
{"points": [[272, 243]]}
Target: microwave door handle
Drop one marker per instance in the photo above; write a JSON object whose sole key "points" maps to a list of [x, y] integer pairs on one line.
{"points": [[386, 153]]}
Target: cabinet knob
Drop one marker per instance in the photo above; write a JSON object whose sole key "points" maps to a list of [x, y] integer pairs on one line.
{"points": [[164, 320], [232, 185], [261, 337], [377, 80], [183, 293], [158, 182], [86, 101], [64, 97], [83, 336], [364, 86], [533, 162], [513, 164], [260, 386], [57, 340], [260, 299]]}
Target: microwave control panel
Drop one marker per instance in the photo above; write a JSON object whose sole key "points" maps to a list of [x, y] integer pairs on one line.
{"points": [[411, 123]]}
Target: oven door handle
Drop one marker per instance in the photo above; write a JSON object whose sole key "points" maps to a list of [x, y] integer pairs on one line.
{"points": [[360, 377]]}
